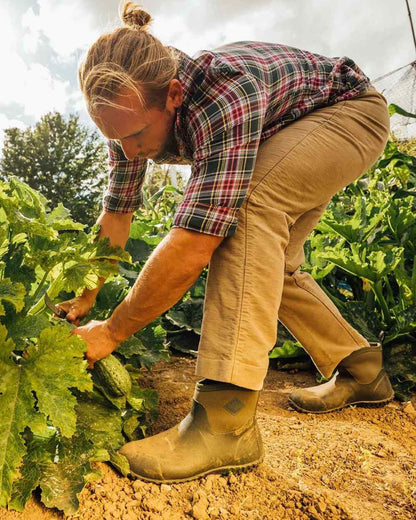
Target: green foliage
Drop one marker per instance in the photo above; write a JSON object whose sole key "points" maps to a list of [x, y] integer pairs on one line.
{"points": [[55, 420], [63, 160]]}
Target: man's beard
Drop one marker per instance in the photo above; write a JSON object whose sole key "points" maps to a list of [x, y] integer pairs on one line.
{"points": [[170, 146]]}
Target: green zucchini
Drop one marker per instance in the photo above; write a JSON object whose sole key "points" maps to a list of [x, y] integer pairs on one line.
{"points": [[112, 374]]}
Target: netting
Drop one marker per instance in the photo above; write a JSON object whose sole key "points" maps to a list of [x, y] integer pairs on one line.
{"points": [[399, 87]]}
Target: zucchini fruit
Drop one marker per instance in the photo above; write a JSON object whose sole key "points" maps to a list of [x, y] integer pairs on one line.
{"points": [[113, 376]]}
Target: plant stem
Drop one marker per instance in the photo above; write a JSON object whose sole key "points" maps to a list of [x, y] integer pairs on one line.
{"points": [[36, 294], [369, 300], [378, 291], [42, 282]]}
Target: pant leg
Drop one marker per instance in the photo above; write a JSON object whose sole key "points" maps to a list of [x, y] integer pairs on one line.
{"points": [[305, 309], [298, 169]]}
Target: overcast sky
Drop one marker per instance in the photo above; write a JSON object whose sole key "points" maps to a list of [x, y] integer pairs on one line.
{"points": [[42, 41]]}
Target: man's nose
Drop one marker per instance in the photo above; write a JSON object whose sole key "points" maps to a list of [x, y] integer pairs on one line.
{"points": [[130, 150]]}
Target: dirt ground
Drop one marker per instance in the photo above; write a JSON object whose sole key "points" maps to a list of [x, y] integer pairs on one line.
{"points": [[354, 464]]}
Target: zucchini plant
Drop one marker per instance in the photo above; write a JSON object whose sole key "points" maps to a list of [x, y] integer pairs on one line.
{"points": [[56, 417]]}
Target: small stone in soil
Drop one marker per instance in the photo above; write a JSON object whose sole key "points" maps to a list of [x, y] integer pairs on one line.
{"points": [[199, 510], [138, 484], [153, 504]]}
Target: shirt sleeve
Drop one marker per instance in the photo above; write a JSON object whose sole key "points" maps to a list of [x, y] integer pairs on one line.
{"points": [[226, 135], [126, 178]]}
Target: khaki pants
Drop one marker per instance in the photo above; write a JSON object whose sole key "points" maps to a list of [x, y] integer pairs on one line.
{"points": [[254, 278]]}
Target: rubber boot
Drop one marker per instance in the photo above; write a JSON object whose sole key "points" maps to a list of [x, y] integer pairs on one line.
{"points": [[219, 433], [360, 379]]}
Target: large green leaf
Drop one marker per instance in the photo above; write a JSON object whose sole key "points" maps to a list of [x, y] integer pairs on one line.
{"points": [[54, 366], [41, 450], [358, 261], [24, 328], [186, 341], [187, 314], [62, 480], [146, 347], [101, 424], [17, 405], [111, 294], [358, 226], [60, 218], [13, 293]]}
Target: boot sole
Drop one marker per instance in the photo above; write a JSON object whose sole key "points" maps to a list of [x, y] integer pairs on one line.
{"points": [[364, 404], [223, 470]]}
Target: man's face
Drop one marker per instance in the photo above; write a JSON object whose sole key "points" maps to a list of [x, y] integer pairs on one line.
{"points": [[140, 133]]}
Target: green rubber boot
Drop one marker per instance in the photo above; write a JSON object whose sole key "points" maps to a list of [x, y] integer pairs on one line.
{"points": [[360, 379], [219, 433]]}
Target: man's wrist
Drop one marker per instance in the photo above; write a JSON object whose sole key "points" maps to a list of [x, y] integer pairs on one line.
{"points": [[114, 331], [91, 294]]}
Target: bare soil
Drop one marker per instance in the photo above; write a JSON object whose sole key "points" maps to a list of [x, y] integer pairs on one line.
{"points": [[353, 464]]}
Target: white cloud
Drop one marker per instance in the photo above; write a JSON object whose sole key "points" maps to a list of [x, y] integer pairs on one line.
{"points": [[5, 122], [32, 86], [8, 37], [176, 30], [67, 25], [32, 31]]}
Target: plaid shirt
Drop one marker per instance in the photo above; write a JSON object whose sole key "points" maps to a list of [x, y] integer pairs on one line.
{"points": [[234, 98]]}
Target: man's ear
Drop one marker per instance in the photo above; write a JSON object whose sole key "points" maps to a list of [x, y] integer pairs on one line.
{"points": [[175, 93]]}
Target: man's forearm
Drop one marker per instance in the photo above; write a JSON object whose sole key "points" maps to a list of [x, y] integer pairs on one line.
{"points": [[170, 271], [115, 226]]}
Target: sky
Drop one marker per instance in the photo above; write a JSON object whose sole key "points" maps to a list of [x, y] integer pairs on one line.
{"points": [[43, 41]]}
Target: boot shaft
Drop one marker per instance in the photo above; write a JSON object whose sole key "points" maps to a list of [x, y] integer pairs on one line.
{"points": [[228, 408], [364, 364]]}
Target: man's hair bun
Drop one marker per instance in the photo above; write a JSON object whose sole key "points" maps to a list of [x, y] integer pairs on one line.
{"points": [[132, 16]]}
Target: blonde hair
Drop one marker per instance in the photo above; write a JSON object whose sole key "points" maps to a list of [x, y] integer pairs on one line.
{"points": [[128, 57]]}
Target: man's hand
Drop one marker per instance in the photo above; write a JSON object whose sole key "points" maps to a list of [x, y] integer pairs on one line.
{"points": [[76, 308], [99, 340]]}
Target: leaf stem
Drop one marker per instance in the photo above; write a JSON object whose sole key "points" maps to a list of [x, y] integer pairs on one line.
{"points": [[32, 303], [378, 291]]}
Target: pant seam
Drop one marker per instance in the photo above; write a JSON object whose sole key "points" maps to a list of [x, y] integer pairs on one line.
{"points": [[240, 312], [323, 303]]}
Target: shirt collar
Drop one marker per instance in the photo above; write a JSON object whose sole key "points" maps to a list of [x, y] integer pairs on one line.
{"points": [[186, 68]]}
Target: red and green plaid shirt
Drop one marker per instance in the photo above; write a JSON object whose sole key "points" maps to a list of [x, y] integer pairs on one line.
{"points": [[234, 98]]}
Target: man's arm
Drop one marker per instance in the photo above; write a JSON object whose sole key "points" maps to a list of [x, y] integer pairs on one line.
{"points": [[172, 268], [115, 226]]}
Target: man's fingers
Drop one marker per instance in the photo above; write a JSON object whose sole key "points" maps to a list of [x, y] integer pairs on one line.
{"points": [[72, 317], [90, 362]]}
